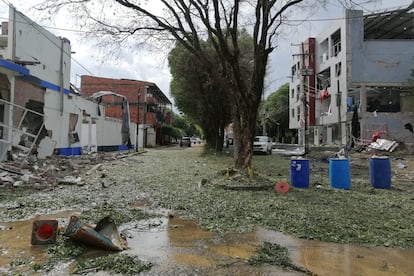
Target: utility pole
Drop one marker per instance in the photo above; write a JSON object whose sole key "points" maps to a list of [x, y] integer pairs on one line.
{"points": [[305, 100], [137, 138], [338, 104], [305, 72]]}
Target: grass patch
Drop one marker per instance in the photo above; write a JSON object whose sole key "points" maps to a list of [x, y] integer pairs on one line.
{"points": [[274, 254], [120, 213], [64, 250], [362, 215], [117, 263]]}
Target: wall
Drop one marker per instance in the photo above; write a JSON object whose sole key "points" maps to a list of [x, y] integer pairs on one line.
{"points": [[57, 122], [108, 132], [390, 126], [387, 61], [29, 42]]}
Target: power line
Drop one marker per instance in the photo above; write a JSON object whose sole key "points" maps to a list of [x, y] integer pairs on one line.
{"points": [[34, 25], [244, 25]]}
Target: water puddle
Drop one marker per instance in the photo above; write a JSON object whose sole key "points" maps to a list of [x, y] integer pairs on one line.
{"points": [[181, 241], [178, 246]]}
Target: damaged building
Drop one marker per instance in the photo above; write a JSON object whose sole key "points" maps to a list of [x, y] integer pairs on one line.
{"points": [[354, 80], [40, 111]]}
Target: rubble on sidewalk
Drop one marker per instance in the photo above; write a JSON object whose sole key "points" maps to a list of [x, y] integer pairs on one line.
{"points": [[384, 144], [55, 170]]}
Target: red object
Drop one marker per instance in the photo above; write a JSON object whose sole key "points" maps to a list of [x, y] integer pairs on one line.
{"points": [[324, 95], [376, 136], [44, 232], [282, 187]]}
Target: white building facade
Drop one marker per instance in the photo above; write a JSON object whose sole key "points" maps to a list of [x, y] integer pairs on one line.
{"points": [[360, 64], [38, 106]]}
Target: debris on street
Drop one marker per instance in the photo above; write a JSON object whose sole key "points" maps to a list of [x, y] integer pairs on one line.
{"points": [[104, 235]]}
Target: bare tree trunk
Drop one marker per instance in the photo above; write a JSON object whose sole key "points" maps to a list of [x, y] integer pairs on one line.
{"points": [[244, 122]]}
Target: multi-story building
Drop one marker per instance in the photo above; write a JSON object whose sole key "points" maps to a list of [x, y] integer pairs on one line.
{"points": [[360, 63], [148, 105]]}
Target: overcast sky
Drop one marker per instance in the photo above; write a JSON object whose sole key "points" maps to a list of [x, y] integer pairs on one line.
{"points": [[153, 67]]}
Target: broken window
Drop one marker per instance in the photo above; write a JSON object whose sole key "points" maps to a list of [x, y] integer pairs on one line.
{"points": [[73, 135], [298, 114], [324, 48], [33, 121], [293, 71], [324, 79], [338, 69], [298, 92], [336, 43], [383, 99]]}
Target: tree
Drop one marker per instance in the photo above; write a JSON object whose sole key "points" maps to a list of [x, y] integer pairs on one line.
{"points": [[198, 95], [189, 23], [277, 111]]}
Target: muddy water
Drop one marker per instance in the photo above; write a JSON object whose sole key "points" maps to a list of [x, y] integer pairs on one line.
{"points": [[181, 241], [178, 246]]}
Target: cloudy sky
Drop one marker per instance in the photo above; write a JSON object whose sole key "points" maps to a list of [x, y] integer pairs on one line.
{"points": [[153, 66]]}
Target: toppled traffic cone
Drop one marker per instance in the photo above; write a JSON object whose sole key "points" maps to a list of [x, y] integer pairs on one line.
{"points": [[44, 232], [105, 235]]}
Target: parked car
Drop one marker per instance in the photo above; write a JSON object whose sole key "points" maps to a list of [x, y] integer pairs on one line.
{"points": [[195, 140], [262, 144], [185, 141]]}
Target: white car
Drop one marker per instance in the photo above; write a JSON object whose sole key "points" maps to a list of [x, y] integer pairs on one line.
{"points": [[262, 144]]}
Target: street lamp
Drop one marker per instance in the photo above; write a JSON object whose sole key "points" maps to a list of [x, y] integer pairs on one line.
{"points": [[137, 138]]}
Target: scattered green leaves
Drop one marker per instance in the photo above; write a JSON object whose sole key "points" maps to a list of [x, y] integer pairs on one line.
{"points": [[64, 249], [274, 254], [119, 212], [118, 263]]}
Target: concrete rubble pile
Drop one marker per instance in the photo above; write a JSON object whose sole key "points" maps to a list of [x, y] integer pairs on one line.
{"points": [[55, 170]]}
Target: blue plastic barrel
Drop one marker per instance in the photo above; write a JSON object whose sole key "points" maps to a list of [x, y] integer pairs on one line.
{"points": [[299, 173], [339, 173], [380, 172]]}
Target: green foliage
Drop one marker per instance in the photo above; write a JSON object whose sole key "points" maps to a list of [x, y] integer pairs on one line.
{"points": [[180, 122], [273, 254], [199, 95], [120, 213], [171, 131], [117, 263], [64, 249], [277, 112]]}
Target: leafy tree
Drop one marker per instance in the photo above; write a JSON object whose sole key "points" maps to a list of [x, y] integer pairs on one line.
{"points": [[174, 132], [198, 96], [277, 112]]}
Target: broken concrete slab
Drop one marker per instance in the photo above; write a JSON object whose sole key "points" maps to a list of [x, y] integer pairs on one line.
{"points": [[46, 147]]}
